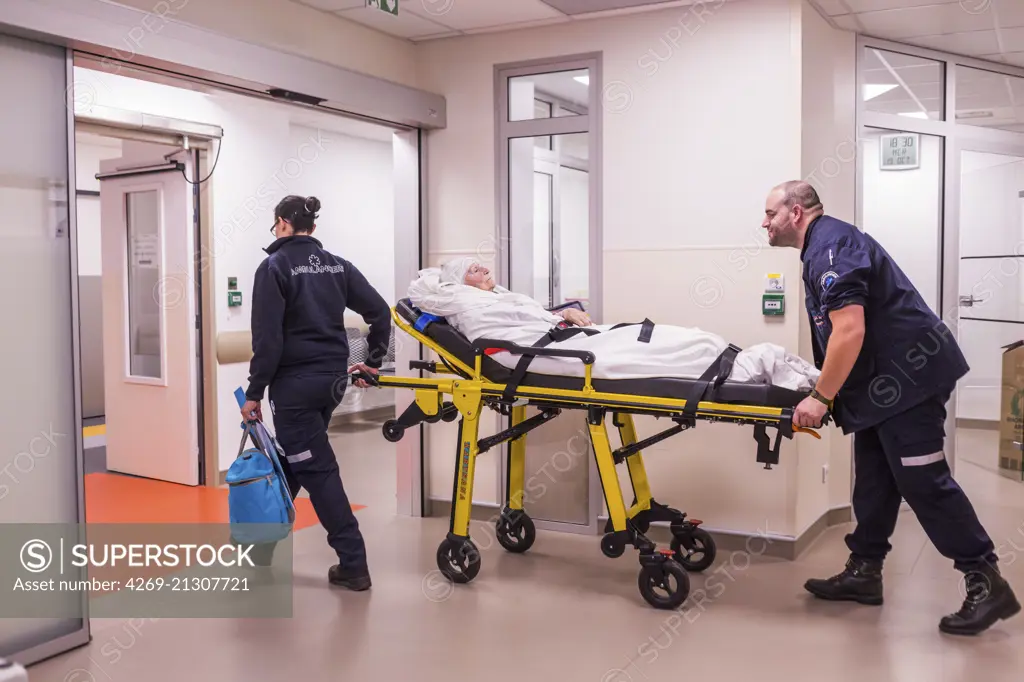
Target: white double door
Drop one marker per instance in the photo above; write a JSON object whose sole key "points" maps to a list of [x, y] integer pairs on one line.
{"points": [[149, 313]]}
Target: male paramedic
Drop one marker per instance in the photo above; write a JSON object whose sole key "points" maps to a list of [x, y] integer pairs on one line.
{"points": [[888, 366], [300, 352]]}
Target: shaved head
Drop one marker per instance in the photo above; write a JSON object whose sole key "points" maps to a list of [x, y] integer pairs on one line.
{"points": [[790, 208], [799, 193]]}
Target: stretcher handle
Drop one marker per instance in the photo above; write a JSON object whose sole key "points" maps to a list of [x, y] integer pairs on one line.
{"points": [[369, 378], [425, 365], [483, 345], [826, 418]]}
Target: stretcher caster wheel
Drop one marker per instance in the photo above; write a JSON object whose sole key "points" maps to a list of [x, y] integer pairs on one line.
{"points": [[458, 560], [694, 549], [450, 413], [393, 431], [612, 545], [664, 584], [516, 532]]}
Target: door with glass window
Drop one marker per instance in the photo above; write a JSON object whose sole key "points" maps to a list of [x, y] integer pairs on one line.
{"points": [[149, 313], [550, 246], [991, 285]]}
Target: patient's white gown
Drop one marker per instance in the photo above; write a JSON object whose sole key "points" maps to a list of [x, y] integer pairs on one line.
{"points": [[681, 352]]}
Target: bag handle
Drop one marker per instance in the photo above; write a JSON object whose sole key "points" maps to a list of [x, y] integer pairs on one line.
{"points": [[269, 452]]}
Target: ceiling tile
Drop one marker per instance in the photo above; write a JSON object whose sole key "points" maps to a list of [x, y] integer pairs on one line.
{"points": [[587, 6], [970, 43], [1010, 40], [405, 25], [858, 6], [469, 14], [1008, 13], [332, 5], [832, 7], [847, 21], [924, 21]]}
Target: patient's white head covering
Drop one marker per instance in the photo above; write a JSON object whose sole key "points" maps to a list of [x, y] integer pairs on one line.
{"points": [[455, 270]]}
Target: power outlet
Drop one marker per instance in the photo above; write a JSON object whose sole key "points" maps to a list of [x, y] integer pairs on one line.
{"points": [[824, 473]]}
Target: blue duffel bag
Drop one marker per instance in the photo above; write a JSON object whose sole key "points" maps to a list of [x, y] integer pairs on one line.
{"points": [[259, 502]]}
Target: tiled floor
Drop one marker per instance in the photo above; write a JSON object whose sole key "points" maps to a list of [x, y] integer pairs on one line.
{"points": [[565, 612]]}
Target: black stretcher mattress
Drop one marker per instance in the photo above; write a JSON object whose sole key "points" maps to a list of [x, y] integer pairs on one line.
{"points": [[731, 392]]}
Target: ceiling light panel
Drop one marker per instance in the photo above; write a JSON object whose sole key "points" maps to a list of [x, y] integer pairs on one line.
{"points": [[332, 5], [858, 6], [588, 6]]}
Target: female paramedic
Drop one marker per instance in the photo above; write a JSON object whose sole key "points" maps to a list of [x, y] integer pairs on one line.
{"points": [[890, 365], [300, 352]]}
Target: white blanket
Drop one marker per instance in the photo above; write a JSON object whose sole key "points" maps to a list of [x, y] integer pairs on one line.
{"points": [[677, 352]]}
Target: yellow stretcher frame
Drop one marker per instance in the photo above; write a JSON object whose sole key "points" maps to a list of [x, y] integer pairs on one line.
{"points": [[470, 391]]}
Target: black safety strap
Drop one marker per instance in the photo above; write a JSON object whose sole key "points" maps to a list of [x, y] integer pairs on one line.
{"points": [[719, 371], [646, 329], [555, 335]]}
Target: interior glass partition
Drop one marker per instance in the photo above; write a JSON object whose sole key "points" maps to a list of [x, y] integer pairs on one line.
{"points": [[40, 461], [947, 199]]}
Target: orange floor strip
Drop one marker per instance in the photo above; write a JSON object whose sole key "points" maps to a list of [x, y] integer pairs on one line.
{"points": [[113, 498]]}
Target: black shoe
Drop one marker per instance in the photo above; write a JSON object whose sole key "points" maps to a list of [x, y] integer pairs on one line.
{"points": [[357, 581], [860, 582], [989, 599]]}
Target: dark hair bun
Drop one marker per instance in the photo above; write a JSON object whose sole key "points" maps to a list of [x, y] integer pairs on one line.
{"points": [[312, 205]]}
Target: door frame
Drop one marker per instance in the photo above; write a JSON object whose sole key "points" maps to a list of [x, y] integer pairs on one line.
{"points": [[202, 140], [506, 130]]}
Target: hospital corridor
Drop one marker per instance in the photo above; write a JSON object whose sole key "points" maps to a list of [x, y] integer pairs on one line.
{"points": [[589, 340]]}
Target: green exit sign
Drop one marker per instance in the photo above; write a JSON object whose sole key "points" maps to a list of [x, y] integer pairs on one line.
{"points": [[389, 6]]}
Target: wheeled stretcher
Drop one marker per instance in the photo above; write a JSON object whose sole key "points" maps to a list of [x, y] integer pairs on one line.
{"points": [[475, 381]]}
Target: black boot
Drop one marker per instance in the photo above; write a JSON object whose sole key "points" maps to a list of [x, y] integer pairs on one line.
{"points": [[860, 582], [353, 580], [989, 599]]}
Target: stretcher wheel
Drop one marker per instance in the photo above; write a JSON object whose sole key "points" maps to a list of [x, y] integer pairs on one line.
{"points": [[612, 545], [516, 534], [458, 561], [393, 431], [664, 585], [694, 549]]}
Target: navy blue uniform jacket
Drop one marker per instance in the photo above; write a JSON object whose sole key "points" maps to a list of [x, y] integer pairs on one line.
{"points": [[299, 299], [909, 354]]}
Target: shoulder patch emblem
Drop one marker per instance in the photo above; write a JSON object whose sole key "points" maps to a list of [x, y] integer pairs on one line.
{"points": [[828, 278]]}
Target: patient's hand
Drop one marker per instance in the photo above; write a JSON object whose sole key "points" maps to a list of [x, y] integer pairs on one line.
{"points": [[577, 317]]}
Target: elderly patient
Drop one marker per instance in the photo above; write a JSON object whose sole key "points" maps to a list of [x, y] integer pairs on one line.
{"points": [[464, 292]]}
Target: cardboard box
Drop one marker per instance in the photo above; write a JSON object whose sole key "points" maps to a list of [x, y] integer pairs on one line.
{"points": [[1011, 413]]}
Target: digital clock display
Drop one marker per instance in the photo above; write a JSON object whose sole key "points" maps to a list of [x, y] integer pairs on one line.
{"points": [[900, 152]]}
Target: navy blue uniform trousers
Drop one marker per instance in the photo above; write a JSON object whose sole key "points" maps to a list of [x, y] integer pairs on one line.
{"points": [[902, 458], [302, 406]]}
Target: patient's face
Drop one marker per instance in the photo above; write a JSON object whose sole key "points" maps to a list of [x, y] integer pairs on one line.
{"points": [[480, 277]]}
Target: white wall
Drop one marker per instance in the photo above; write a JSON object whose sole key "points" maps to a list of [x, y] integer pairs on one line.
{"points": [[264, 157], [829, 150], [89, 151], [702, 116]]}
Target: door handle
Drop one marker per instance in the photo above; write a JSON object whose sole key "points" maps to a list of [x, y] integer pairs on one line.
{"points": [[969, 301]]}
